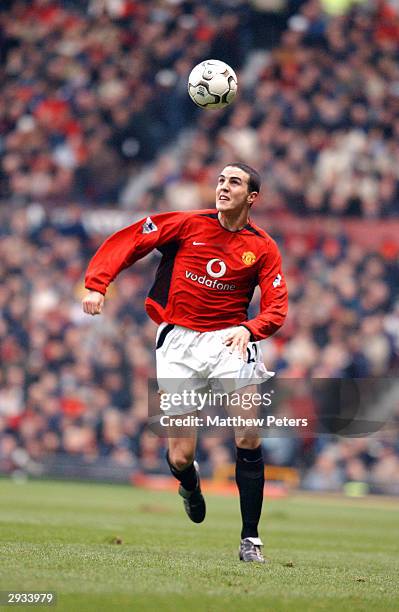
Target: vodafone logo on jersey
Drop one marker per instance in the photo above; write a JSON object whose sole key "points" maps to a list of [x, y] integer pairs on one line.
{"points": [[216, 268], [212, 268]]}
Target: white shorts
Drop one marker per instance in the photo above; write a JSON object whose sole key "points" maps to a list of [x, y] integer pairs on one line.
{"points": [[188, 359]]}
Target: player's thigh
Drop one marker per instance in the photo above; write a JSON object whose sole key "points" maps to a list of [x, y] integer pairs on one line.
{"points": [[180, 373], [168, 349], [176, 359]]}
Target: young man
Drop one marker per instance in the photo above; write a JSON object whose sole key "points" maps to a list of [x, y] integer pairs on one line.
{"points": [[212, 260]]}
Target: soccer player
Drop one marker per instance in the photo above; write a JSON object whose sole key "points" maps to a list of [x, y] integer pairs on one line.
{"points": [[212, 260]]}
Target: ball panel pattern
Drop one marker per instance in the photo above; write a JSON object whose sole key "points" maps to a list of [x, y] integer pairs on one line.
{"points": [[212, 84]]}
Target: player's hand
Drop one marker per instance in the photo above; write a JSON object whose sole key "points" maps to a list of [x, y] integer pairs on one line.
{"points": [[93, 303], [238, 339]]}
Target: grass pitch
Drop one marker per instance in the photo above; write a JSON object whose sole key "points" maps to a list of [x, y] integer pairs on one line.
{"points": [[116, 548]]}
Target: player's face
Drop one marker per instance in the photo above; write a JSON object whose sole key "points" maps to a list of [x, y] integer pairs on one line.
{"points": [[232, 190]]}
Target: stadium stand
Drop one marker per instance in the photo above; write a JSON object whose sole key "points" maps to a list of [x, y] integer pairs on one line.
{"points": [[89, 98]]}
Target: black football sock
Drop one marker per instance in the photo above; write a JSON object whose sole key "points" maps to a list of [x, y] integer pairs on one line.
{"points": [[250, 479], [187, 477]]}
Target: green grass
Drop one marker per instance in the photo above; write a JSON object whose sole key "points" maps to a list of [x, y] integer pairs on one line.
{"points": [[325, 554]]}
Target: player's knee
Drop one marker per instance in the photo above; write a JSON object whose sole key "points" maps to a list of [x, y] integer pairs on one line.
{"points": [[247, 441], [181, 458]]}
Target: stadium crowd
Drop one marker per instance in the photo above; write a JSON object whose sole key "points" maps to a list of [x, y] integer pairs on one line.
{"points": [[90, 95], [78, 385], [92, 92]]}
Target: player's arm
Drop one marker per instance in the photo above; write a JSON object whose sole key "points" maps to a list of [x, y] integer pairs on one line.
{"points": [[125, 247], [274, 297]]}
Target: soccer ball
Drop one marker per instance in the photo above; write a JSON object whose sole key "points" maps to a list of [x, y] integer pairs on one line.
{"points": [[212, 84]]}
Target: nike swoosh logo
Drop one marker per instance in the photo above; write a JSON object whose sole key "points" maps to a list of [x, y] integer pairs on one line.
{"points": [[199, 243]]}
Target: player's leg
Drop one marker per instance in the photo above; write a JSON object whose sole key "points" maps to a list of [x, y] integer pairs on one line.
{"points": [[236, 375], [180, 458], [177, 373], [250, 481], [231, 368]]}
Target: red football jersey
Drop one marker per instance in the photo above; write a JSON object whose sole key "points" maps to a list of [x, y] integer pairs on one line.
{"points": [[207, 274]]}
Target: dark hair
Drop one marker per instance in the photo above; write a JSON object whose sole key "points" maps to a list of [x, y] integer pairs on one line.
{"points": [[254, 181]]}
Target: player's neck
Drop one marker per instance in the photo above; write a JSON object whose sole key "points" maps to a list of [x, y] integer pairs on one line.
{"points": [[232, 221]]}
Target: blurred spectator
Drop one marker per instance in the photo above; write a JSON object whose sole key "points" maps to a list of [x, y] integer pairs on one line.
{"points": [[92, 92], [76, 385], [324, 475]]}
